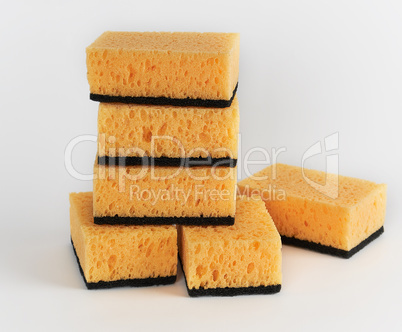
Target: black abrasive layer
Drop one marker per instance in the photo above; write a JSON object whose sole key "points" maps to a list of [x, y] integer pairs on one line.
{"points": [[330, 250], [186, 102], [167, 162], [230, 291], [187, 221], [126, 282]]}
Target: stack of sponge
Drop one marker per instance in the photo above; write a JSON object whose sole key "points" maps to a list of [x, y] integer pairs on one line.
{"points": [[168, 123], [165, 177]]}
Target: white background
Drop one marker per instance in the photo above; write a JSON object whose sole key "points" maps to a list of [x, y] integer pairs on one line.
{"points": [[308, 69]]}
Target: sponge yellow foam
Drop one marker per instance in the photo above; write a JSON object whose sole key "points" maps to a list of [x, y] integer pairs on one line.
{"points": [[247, 254], [109, 253], [164, 64], [336, 212], [136, 191], [167, 131]]}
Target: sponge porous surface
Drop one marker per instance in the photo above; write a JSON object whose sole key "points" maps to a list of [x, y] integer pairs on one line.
{"points": [[137, 191], [130, 130], [245, 255], [339, 212], [177, 65], [114, 253]]}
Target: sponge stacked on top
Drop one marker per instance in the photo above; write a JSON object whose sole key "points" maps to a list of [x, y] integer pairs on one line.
{"points": [[159, 195], [144, 150], [167, 135], [164, 68]]}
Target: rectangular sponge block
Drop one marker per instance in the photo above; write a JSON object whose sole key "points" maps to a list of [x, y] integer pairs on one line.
{"points": [[234, 260], [130, 131], [179, 68], [320, 211], [164, 195], [111, 256]]}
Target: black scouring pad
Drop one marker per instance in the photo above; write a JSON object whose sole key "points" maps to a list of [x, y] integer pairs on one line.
{"points": [[330, 250], [167, 162], [230, 291], [187, 102], [188, 221]]}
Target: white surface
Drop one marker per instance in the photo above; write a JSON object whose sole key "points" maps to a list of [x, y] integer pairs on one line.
{"points": [[308, 69]]}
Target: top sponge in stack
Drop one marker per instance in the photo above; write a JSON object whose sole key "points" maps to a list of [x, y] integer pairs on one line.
{"points": [[164, 68]]}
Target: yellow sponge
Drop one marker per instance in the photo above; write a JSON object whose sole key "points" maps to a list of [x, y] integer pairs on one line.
{"points": [[241, 259], [333, 215], [179, 68], [111, 256], [131, 131], [164, 195]]}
